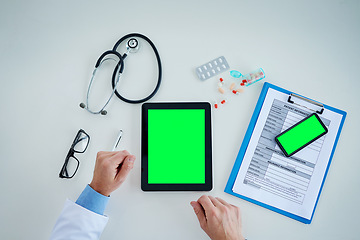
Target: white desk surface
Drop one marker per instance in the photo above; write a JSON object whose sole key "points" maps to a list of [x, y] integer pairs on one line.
{"points": [[48, 50]]}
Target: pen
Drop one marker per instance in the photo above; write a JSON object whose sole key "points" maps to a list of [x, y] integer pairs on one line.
{"points": [[117, 140]]}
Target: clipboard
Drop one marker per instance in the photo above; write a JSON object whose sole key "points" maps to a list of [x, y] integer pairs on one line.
{"points": [[293, 99]]}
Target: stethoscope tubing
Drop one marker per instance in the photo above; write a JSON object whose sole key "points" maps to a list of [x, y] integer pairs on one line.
{"points": [[122, 68], [97, 64]]}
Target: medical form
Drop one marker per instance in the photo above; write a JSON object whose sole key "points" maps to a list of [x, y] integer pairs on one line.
{"points": [[291, 184]]}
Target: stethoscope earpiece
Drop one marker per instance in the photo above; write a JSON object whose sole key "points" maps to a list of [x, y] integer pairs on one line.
{"points": [[82, 105], [102, 112]]}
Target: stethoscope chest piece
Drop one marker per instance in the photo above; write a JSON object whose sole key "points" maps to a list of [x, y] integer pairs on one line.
{"points": [[133, 45]]}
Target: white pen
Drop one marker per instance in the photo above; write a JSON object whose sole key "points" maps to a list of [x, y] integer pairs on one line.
{"points": [[117, 140]]}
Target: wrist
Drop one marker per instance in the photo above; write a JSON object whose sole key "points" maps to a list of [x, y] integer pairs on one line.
{"points": [[98, 189]]}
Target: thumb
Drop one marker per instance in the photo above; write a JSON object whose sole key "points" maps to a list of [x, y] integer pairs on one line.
{"points": [[200, 213], [125, 168]]}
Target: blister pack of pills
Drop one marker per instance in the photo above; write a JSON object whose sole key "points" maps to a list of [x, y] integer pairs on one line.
{"points": [[212, 68]]}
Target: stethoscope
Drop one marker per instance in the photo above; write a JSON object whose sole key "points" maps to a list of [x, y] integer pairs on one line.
{"points": [[132, 46]]}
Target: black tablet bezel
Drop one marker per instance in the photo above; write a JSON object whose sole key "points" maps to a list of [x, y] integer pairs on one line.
{"points": [[145, 186]]}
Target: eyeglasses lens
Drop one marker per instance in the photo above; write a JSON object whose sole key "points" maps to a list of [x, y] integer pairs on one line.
{"points": [[81, 142], [71, 167]]}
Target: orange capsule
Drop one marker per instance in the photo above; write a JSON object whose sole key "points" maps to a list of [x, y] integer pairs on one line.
{"points": [[239, 90], [222, 91], [232, 86]]}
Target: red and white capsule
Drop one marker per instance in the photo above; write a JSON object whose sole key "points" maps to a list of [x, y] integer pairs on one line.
{"points": [[223, 101]]}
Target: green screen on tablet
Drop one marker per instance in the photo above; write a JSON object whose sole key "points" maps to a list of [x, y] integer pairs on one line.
{"points": [[176, 146]]}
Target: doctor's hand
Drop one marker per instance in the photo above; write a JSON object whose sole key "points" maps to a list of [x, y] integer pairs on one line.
{"points": [[111, 170], [219, 219]]}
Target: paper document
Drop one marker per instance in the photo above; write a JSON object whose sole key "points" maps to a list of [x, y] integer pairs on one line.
{"points": [[291, 183]]}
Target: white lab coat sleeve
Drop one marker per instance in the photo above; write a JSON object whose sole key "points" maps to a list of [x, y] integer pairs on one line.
{"points": [[76, 222]]}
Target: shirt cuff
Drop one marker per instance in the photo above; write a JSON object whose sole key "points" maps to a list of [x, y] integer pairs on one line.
{"points": [[92, 200]]}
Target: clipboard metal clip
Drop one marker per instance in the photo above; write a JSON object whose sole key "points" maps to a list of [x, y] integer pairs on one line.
{"points": [[293, 95]]}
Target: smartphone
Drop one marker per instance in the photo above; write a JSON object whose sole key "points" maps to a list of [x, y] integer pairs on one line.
{"points": [[301, 134]]}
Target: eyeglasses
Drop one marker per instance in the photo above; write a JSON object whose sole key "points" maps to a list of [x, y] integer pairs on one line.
{"points": [[71, 164]]}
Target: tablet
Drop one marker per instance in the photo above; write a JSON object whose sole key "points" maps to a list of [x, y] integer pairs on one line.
{"points": [[176, 152]]}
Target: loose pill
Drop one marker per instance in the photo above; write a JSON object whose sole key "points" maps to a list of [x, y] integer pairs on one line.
{"points": [[223, 101], [234, 92], [221, 90], [221, 80], [239, 90], [242, 84], [216, 105], [244, 81], [232, 86]]}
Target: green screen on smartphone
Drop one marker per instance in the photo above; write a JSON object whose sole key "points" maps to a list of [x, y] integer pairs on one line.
{"points": [[301, 134], [176, 146]]}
